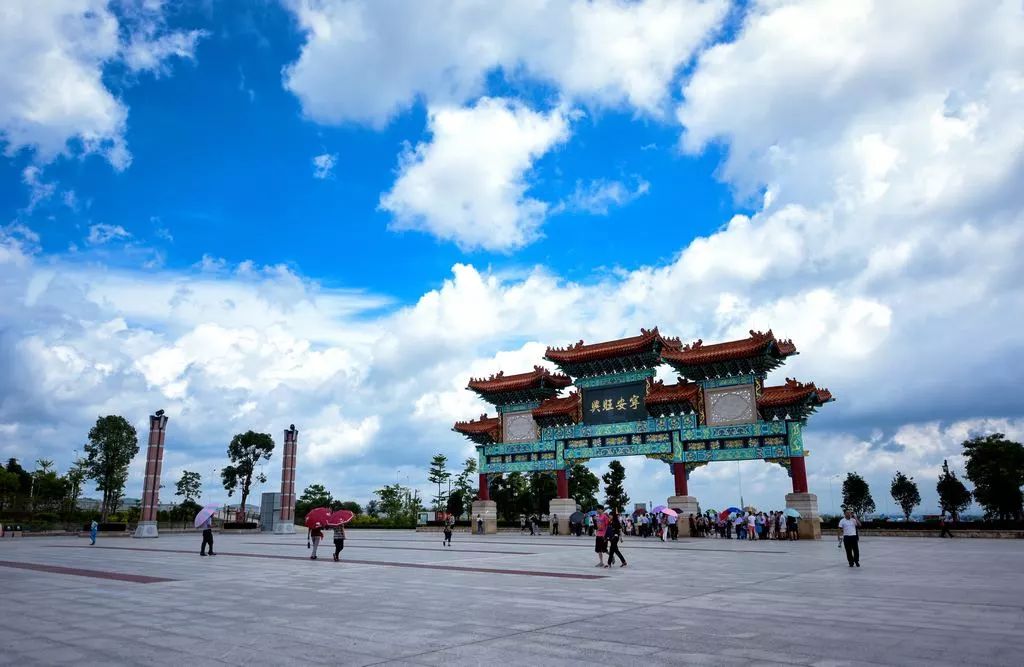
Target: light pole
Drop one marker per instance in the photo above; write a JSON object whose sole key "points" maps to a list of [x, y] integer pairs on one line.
{"points": [[831, 497]]}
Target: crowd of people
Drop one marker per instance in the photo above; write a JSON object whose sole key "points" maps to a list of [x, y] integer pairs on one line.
{"points": [[746, 525]]}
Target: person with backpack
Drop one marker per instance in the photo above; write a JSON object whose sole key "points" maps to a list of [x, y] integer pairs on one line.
{"points": [[93, 527]]}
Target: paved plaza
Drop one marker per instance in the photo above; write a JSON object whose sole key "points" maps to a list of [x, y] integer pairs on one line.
{"points": [[401, 598]]}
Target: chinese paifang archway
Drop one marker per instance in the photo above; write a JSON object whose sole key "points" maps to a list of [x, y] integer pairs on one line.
{"points": [[721, 409]]}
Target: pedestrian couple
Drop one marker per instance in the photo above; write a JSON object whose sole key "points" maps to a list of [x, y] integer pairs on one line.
{"points": [[608, 532], [316, 533]]}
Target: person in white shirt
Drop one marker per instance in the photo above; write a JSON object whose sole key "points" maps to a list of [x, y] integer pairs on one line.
{"points": [[848, 526]]}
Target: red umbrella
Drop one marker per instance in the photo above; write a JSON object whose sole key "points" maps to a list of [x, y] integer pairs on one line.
{"points": [[340, 517], [317, 516]]}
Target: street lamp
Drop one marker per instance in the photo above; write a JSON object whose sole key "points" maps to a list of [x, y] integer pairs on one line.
{"points": [[831, 497]]}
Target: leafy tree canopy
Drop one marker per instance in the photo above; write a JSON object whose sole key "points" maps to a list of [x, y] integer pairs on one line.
{"points": [[953, 495], [112, 445], [614, 492], [189, 486], [904, 492], [995, 466], [583, 485], [857, 495], [245, 452]]}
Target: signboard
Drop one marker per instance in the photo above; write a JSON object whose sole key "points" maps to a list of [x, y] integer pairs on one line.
{"points": [[619, 403]]}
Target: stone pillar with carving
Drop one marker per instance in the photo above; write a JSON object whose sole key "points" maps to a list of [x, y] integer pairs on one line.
{"points": [[682, 500], [285, 524], [485, 508], [563, 505], [151, 482], [809, 524]]}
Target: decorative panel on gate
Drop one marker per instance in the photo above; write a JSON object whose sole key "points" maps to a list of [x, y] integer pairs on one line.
{"points": [[725, 406], [519, 427]]}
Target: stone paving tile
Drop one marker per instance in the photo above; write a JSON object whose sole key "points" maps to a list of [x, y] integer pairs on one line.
{"points": [[711, 602]]}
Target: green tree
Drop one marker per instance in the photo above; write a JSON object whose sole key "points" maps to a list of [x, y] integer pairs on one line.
{"points": [[189, 486], [615, 497], [392, 500], [113, 443], [542, 488], [995, 466], [350, 505], [511, 493], [904, 492], [857, 495], [75, 477], [245, 451], [583, 485], [24, 487], [953, 495], [373, 508], [439, 475], [314, 495], [9, 487], [456, 504], [465, 483]]}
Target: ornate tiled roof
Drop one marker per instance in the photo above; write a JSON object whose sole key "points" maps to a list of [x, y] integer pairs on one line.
{"points": [[480, 430], [539, 376], [682, 392], [793, 393], [582, 352], [757, 345], [567, 407]]}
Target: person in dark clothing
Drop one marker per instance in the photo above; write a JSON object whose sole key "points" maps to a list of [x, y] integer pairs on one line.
{"points": [[339, 541], [947, 523], [207, 537], [614, 533], [447, 542]]}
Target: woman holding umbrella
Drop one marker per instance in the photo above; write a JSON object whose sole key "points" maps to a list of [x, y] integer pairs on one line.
{"points": [[337, 521], [314, 533]]}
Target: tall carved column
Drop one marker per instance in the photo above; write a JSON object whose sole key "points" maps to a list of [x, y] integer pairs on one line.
{"points": [[485, 508], [809, 523], [682, 500], [151, 482], [286, 519], [563, 505]]}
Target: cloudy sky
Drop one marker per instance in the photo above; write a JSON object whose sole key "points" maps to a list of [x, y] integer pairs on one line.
{"points": [[332, 213]]}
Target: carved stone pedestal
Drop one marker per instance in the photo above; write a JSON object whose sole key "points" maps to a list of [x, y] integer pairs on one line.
{"points": [[686, 505], [146, 529], [809, 523], [488, 511], [563, 507]]}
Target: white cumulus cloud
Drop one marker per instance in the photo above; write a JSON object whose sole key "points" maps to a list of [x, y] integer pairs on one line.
{"points": [[469, 182]]}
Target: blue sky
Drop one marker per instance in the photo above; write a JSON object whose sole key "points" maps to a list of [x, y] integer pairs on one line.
{"points": [[323, 213]]}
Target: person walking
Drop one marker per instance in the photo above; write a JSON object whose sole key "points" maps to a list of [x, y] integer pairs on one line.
{"points": [[339, 541], [600, 527], [207, 537], [522, 524], [554, 524], [479, 525], [93, 527], [848, 526], [447, 542], [315, 534], [614, 535], [947, 524]]}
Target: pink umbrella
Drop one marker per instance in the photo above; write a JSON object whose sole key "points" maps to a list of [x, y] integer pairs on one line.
{"points": [[658, 509], [668, 512], [205, 513], [340, 517], [317, 516]]}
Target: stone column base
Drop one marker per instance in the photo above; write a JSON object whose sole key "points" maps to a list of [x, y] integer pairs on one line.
{"points": [[488, 511], [563, 507], [146, 529], [284, 528], [686, 505], [808, 526]]}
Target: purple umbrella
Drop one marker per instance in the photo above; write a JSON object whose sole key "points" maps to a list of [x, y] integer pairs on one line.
{"points": [[205, 513], [659, 508]]}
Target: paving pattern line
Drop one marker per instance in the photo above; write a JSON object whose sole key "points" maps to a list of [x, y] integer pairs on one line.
{"points": [[79, 572], [356, 545], [421, 566]]}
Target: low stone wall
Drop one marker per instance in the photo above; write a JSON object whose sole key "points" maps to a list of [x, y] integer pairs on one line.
{"points": [[992, 534]]}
